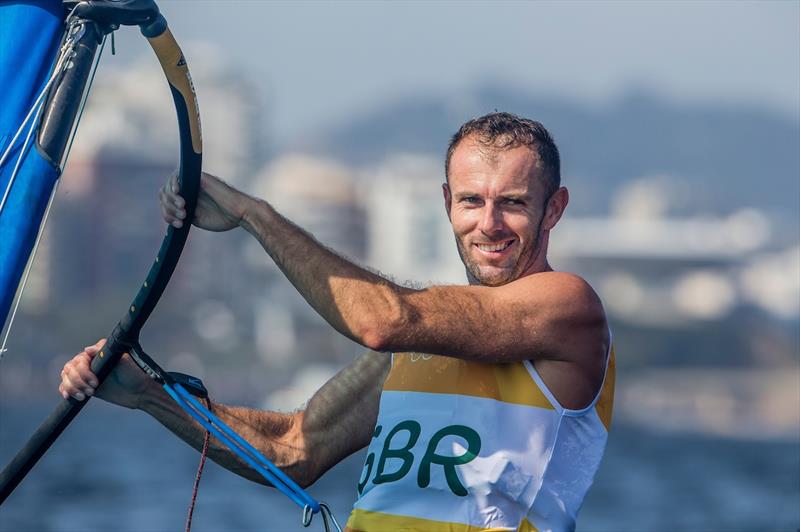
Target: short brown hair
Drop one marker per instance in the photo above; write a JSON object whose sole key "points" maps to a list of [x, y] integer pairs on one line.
{"points": [[504, 131]]}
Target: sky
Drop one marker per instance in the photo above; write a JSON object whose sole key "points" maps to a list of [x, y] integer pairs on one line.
{"points": [[315, 63]]}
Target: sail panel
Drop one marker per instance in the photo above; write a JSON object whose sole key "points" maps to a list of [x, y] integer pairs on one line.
{"points": [[30, 34]]}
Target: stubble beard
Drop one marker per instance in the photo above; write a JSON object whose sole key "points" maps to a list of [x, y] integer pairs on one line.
{"points": [[477, 275]]}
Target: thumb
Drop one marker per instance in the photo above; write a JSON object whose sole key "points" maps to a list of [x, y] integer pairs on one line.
{"points": [[92, 350], [174, 185]]}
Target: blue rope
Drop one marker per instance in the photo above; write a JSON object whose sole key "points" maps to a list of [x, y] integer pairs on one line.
{"points": [[241, 447]]}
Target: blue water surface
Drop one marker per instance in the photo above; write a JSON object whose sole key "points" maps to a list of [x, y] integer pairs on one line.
{"points": [[119, 470]]}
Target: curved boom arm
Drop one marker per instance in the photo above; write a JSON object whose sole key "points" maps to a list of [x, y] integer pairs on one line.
{"points": [[126, 333]]}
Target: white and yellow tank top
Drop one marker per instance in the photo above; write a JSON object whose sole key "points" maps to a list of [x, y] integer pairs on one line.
{"points": [[464, 446]]}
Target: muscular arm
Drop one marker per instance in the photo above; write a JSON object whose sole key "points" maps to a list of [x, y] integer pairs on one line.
{"points": [[337, 421], [545, 315], [548, 316]]}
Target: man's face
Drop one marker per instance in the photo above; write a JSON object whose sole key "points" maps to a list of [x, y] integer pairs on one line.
{"points": [[496, 201]]}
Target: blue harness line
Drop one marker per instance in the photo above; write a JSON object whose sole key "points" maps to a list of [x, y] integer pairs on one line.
{"points": [[241, 447], [173, 384], [251, 456]]}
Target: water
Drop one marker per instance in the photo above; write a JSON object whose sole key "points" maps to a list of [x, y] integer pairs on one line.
{"points": [[118, 470]]}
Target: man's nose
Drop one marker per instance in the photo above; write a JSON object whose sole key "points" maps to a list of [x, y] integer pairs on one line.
{"points": [[491, 218]]}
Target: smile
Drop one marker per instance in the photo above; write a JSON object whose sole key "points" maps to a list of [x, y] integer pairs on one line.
{"points": [[494, 247]]}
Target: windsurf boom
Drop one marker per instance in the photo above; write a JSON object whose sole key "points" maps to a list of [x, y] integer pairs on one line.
{"points": [[39, 148]]}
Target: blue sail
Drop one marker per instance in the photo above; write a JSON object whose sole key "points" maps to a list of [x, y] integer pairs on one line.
{"points": [[30, 33]]}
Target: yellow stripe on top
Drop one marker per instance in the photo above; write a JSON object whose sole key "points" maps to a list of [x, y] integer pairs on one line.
{"points": [[366, 521], [605, 403], [510, 383]]}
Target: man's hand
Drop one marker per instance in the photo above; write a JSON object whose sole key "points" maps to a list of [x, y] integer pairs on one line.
{"points": [[125, 385], [220, 207]]}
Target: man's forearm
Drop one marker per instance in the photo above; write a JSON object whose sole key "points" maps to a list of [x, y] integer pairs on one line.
{"points": [[270, 432], [356, 302], [338, 421]]}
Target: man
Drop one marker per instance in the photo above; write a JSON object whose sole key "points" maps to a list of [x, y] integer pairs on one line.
{"points": [[492, 411]]}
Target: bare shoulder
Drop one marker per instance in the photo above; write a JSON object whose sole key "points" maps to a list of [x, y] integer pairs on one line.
{"points": [[573, 315], [556, 278], [560, 286], [577, 335]]}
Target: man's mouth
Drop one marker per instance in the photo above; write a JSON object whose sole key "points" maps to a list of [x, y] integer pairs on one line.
{"points": [[494, 247]]}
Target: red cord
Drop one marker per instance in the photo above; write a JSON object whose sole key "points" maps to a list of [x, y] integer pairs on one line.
{"points": [[203, 455]]}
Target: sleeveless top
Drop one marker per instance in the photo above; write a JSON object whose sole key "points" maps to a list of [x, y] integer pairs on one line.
{"points": [[467, 446]]}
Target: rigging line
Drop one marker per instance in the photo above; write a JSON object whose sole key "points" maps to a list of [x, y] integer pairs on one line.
{"points": [[34, 108], [212, 424], [242, 443], [237, 444], [327, 513], [240, 447], [66, 53], [203, 456], [37, 108], [28, 269], [66, 50], [57, 69], [18, 296]]}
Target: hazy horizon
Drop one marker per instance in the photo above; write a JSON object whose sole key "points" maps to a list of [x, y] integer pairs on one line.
{"points": [[313, 63]]}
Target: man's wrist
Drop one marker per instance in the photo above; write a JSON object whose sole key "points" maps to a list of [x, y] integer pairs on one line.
{"points": [[254, 209], [245, 219]]}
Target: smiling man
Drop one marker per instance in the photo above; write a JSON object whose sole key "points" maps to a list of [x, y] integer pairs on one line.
{"points": [[500, 183], [484, 406]]}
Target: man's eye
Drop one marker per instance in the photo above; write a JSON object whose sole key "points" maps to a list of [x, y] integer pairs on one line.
{"points": [[511, 201], [470, 199]]}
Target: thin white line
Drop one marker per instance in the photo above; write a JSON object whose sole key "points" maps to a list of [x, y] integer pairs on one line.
{"points": [[28, 269], [28, 117], [65, 55], [22, 151], [37, 108]]}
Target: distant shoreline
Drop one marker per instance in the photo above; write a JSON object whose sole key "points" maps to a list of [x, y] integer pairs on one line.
{"points": [[746, 404]]}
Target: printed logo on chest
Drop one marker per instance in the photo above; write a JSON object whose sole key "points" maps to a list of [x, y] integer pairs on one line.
{"points": [[397, 456]]}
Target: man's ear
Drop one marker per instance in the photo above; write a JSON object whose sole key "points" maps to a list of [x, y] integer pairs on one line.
{"points": [[556, 206], [447, 198]]}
